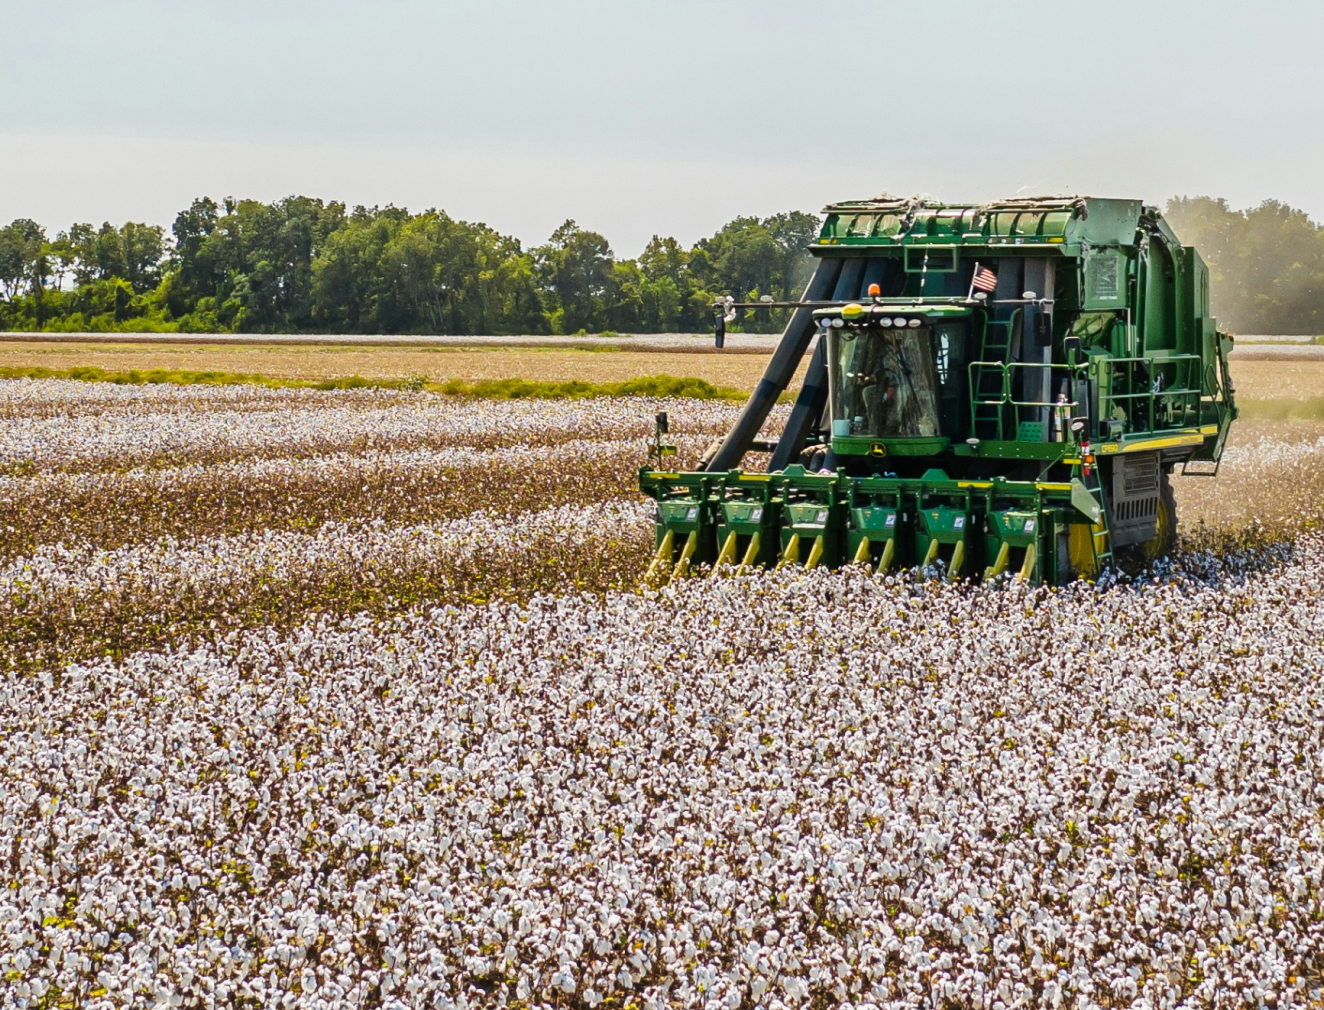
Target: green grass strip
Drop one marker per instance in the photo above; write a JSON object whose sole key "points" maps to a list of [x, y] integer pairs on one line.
{"points": [[526, 389], [485, 389]]}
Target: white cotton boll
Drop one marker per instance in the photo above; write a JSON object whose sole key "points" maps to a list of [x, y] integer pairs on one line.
{"points": [[564, 978], [795, 988], [731, 782]]}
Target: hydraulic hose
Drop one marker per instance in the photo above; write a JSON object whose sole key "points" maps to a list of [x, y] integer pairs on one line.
{"points": [[808, 409], [781, 369]]}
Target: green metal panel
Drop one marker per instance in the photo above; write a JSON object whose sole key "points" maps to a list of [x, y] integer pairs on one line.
{"points": [[682, 516], [1061, 221], [1105, 280], [849, 445], [807, 520], [876, 522], [1106, 223], [1018, 528], [946, 525], [888, 222], [743, 516]]}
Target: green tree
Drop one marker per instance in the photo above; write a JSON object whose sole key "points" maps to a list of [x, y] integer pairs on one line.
{"points": [[63, 257], [300, 264], [575, 269], [134, 253], [751, 257], [672, 300], [1266, 263], [447, 274], [23, 263], [254, 260], [349, 281]]}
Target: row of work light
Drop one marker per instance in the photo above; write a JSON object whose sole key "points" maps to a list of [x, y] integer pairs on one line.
{"points": [[886, 322]]}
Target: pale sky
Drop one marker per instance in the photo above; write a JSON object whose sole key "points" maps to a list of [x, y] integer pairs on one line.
{"points": [[640, 118]]}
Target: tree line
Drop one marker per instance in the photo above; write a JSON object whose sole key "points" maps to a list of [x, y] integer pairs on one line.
{"points": [[300, 265], [1266, 263]]}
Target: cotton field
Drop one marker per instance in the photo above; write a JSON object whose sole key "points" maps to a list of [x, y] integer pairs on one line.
{"points": [[311, 733]]}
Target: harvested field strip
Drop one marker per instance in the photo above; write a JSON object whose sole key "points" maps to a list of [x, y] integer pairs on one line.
{"points": [[185, 377], [62, 604], [714, 794], [494, 389], [1305, 409], [110, 509], [602, 363]]}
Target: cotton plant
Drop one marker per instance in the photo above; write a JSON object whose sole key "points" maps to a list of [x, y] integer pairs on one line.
{"points": [[51, 429], [787, 789], [780, 790], [113, 508], [69, 602]]}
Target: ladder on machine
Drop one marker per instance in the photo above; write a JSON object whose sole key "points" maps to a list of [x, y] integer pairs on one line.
{"points": [[988, 395], [1103, 559]]}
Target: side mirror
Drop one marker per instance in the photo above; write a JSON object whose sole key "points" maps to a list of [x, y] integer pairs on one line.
{"points": [[1072, 346], [719, 328], [661, 420]]}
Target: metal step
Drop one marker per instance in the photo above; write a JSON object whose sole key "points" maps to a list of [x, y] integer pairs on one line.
{"points": [[1199, 468]]}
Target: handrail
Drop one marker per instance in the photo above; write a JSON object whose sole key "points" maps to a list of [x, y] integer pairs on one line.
{"points": [[1072, 371], [1141, 403], [1006, 399]]}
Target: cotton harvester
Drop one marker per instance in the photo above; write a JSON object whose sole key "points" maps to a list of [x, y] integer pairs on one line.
{"points": [[995, 388]]}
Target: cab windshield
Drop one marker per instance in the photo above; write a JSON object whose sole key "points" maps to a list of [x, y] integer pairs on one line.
{"points": [[895, 382]]}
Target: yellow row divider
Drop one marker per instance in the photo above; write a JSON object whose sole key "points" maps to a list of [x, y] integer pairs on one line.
{"points": [[862, 552], [1031, 555], [683, 565], [662, 559], [958, 560], [792, 553], [752, 553], [932, 554], [726, 555], [815, 552], [885, 562], [999, 564]]}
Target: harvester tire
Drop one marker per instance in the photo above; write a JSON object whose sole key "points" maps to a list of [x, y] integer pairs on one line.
{"points": [[1133, 558]]}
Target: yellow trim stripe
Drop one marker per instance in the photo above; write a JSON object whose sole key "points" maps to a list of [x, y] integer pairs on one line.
{"points": [[1163, 443]]}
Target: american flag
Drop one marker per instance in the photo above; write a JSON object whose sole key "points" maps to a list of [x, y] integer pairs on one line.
{"points": [[984, 279]]}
